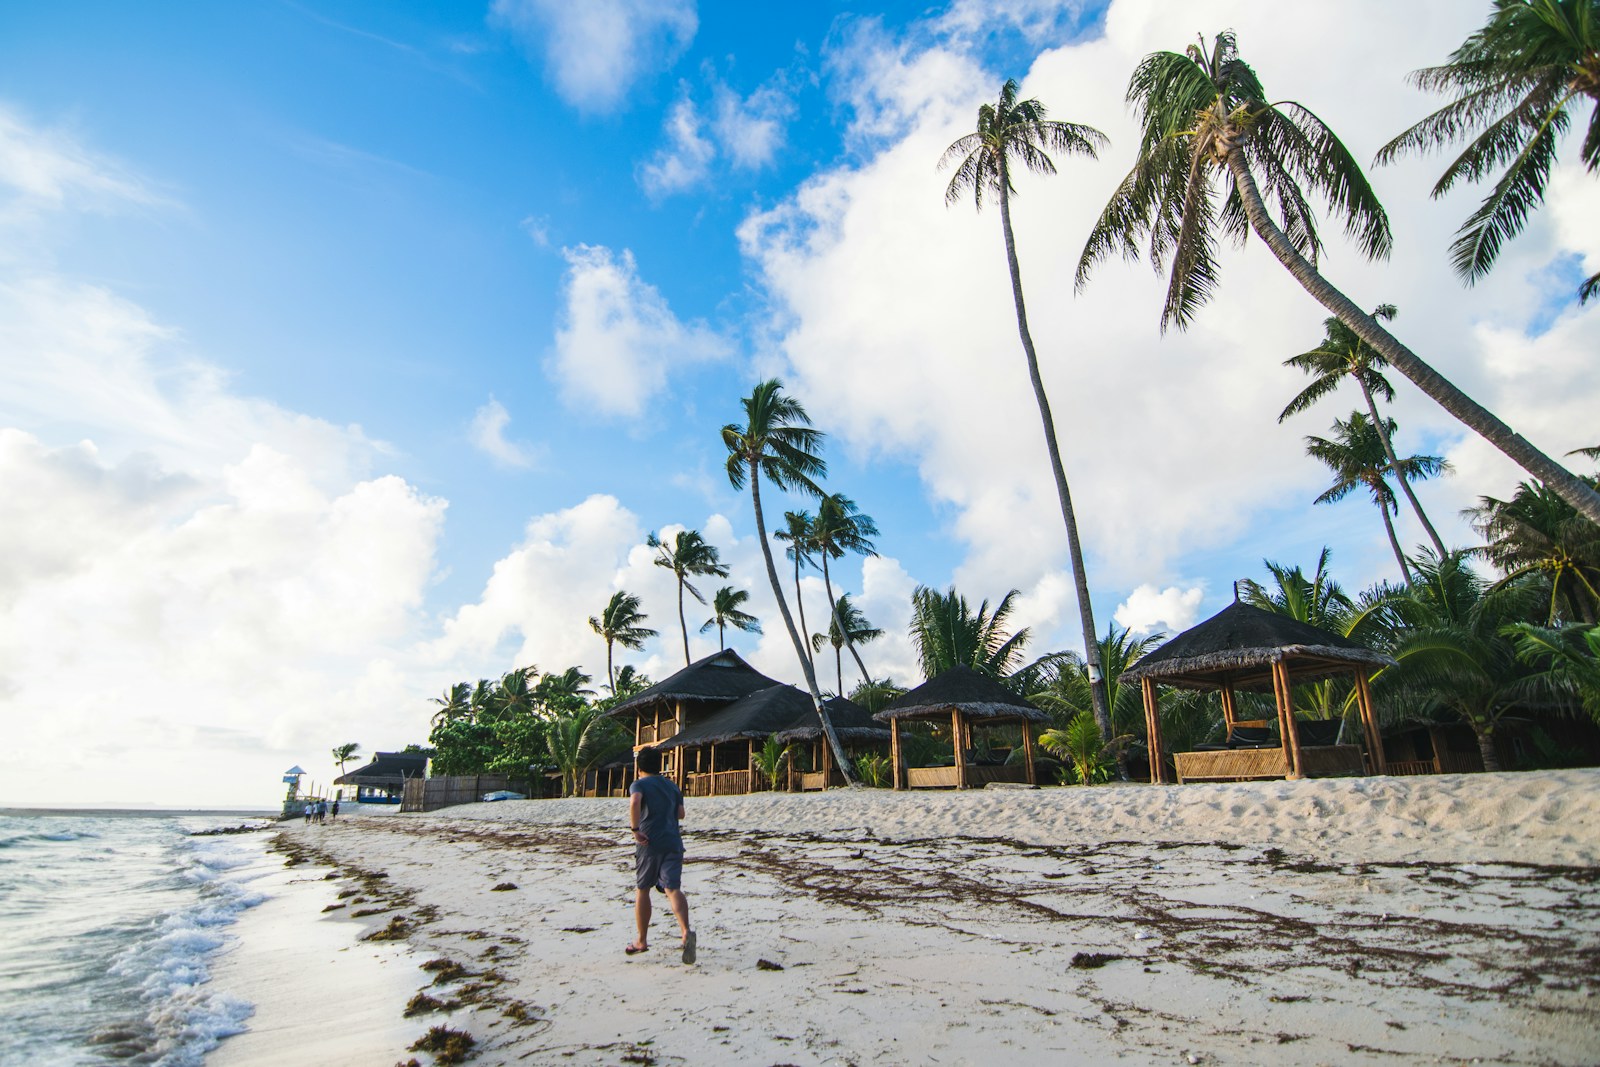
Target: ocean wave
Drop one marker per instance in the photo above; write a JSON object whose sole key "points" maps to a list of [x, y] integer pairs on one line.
{"points": [[52, 836]]}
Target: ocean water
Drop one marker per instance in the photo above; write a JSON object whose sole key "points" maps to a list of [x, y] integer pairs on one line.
{"points": [[109, 924]]}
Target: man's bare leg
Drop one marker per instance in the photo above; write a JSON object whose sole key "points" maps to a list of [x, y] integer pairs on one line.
{"points": [[641, 916], [680, 911]]}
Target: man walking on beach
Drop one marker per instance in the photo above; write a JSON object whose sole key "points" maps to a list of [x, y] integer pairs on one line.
{"points": [[654, 807]]}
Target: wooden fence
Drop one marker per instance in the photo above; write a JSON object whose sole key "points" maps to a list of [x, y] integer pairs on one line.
{"points": [[431, 794]]}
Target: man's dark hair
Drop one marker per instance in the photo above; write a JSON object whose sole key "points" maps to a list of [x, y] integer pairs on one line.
{"points": [[648, 760]]}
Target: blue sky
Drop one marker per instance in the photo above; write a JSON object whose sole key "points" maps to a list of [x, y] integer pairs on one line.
{"points": [[352, 349]]}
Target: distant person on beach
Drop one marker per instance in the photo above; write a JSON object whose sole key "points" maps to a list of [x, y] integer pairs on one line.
{"points": [[654, 807], [333, 812], [310, 810]]}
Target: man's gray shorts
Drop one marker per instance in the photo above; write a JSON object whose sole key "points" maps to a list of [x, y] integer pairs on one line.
{"points": [[651, 869]]}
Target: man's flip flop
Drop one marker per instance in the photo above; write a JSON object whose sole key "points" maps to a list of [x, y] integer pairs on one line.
{"points": [[689, 947], [634, 950]]}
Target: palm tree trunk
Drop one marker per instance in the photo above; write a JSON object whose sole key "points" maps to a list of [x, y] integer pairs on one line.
{"points": [[1394, 468], [800, 604], [1080, 578], [846, 768], [683, 625], [838, 668], [1394, 542], [611, 672], [838, 623], [1471, 414], [722, 640], [1486, 750]]}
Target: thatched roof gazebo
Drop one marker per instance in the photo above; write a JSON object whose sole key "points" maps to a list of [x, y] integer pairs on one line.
{"points": [[662, 710], [383, 780], [780, 711], [961, 696], [1247, 648]]}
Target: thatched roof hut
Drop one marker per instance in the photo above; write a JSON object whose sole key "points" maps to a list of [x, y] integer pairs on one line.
{"points": [[961, 696], [716, 679], [1246, 647], [383, 780]]}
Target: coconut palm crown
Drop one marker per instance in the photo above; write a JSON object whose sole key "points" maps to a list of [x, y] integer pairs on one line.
{"points": [[621, 623], [1202, 113], [689, 555], [1517, 84], [727, 610]]}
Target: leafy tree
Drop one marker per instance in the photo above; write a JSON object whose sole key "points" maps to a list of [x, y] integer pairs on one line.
{"points": [[688, 556], [463, 746], [1343, 354], [1014, 133], [1538, 533], [1356, 457], [1568, 658], [1205, 113], [947, 632], [778, 442], [841, 527], [1517, 84], [726, 611], [1451, 650], [621, 623], [797, 533], [564, 693], [856, 630], [344, 754], [578, 738], [770, 759]]}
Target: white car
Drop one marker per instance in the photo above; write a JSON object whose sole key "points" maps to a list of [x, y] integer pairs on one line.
{"points": [[503, 794]]}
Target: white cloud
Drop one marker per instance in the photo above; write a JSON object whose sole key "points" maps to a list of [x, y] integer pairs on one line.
{"points": [[617, 337], [894, 315], [751, 129], [685, 160], [49, 169], [1149, 609], [488, 434], [596, 50]]}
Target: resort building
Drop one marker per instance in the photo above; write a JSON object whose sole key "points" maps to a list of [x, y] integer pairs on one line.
{"points": [[383, 781]]}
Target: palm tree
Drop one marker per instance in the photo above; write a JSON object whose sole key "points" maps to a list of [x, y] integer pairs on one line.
{"points": [[344, 754], [1062, 687], [688, 555], [578, 738], [1316, 601], [1012, 132], [797, 533], [1452, 651], [1343, 353], [725, 612], [841, 527], [777, 441], [1536, 532], [1356, 457], [846, 626], [948, 632], [1519, 80], [1204, 113], [1569, 656], [559, 694], [620, 623], [454, 704]]}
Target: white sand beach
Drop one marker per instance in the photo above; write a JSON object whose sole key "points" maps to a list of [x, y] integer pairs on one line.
{"points": [[1444, 919]]}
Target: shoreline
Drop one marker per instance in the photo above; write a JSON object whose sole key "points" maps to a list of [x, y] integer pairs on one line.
{"points": [[1351, 921], [319, 993]]}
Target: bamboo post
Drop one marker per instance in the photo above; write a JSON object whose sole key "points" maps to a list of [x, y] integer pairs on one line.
{"points": [[1027, 750], [961, 757], [1154, 746], [827, 765], [750, 767], [1291, 735], [894, 752], [1370, 714], [1230, 711]]}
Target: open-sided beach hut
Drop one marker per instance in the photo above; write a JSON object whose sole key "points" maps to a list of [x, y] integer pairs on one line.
{"points": [[961, 697], [383, 781], [857, 733], [664, 710], [1244, 648], [718, 751]]}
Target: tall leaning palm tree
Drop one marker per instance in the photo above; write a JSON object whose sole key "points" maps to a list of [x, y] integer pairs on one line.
{"points": [[777, 442], [1014, 133], [1517, 83], [797, 533], [1357, 458], [689, 555], [621, 623], [727, 610], [1204, 115], [841, 527], [1343, 354]]}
